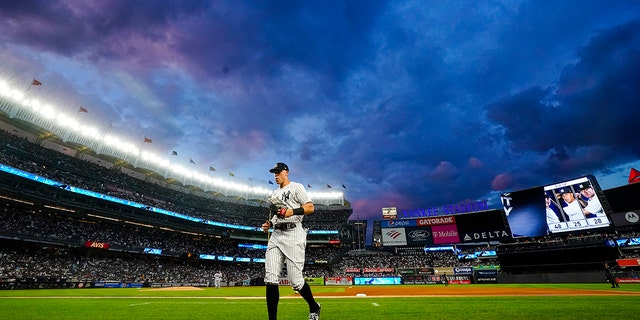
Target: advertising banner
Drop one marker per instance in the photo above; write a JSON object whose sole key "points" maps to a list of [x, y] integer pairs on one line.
{"points": [[97, 245], [419, 236], [483, 226], [463, 270], [389, 213], [633, 262], [398, 223], [378, 270], [444, 234], [338, 281], [432, 279], [627, 218], [315, 281], [436, 221], [442, 270], [486, 272], [486, 275], [628, 280], [394, 237], [424, 270], [376, 281], [488, 279], [459, 279], [406, 272], [284, 282], [416, 280]]}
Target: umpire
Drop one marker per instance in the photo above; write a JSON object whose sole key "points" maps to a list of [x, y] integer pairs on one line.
{"points": [[287, 244]]}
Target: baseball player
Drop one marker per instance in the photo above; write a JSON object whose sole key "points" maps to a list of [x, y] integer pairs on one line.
{"points": [[217, 277], [573, 208], [287, 244], [594, 207]]}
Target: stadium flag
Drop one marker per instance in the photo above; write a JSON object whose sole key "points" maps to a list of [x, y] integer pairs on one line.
{"points": [[147, 140], [82, 109], [211, 168], [328, 186], [36, 82], [634, 176], [191, 161], [308, 186], [344, 187], [174, 153], [270, 182], [231, 174]]}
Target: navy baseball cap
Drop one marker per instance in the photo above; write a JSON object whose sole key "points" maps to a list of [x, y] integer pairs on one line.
{"points": [[584, 186], [279, 167]]}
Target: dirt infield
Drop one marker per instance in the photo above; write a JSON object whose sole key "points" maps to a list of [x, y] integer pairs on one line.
{"points": [[442, 291], [175, 289], [462, 290]]}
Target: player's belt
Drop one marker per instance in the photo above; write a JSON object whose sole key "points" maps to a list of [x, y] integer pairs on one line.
{"points": [[285, 226]]}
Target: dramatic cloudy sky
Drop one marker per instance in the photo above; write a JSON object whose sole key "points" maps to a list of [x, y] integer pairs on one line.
{"points": [[411, 104]]}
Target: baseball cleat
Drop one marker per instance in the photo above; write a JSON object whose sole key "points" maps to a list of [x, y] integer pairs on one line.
{"points": [[315, 315]]}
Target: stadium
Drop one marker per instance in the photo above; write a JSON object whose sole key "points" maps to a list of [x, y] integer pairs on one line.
{"points": [[83, 215]]}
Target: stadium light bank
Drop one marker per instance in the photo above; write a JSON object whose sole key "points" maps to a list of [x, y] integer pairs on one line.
{"points": [[17, 104]]}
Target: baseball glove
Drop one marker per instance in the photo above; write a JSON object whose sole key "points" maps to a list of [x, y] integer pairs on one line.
{"points": [[278, 210]]}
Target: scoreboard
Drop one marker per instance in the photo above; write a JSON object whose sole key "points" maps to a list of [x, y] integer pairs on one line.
{"points": [[572, 205]]}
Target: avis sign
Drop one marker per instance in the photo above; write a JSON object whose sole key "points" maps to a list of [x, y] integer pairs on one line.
{"points": [[97, 245]]}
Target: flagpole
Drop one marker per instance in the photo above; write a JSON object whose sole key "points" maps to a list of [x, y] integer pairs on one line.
{"points": [[34, 82], [166, 172], [135, 163], [145, 140]]}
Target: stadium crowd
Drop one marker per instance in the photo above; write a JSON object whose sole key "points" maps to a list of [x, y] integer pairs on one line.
{"points": [[45, 245], [62, 233], [66, 230], [24, 155]]}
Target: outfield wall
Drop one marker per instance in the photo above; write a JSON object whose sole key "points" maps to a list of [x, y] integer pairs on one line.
{"points": [[565, 277]]}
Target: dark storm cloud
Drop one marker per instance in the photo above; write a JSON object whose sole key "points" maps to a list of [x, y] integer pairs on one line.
{"points": [[602, 86], [100, 29], [587, 119], [408, 103]]}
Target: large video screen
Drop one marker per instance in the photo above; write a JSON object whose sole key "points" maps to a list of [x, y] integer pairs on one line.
{"points": [[566, 206], [377, 281]]}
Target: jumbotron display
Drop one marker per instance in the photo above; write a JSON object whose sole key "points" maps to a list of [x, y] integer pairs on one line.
{"points": [[557, 208]]}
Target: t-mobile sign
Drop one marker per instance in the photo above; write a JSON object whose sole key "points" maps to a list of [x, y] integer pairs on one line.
{"points": [[445, 234]]}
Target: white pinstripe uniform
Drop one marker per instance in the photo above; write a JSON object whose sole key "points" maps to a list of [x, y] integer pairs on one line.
{"points": [[287, 246]]}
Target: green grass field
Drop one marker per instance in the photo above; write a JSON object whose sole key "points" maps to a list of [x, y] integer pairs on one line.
{"points": [[241, 303]]}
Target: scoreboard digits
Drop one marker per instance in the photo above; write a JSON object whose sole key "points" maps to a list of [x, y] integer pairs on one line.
{"points": [[579, 224]]}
